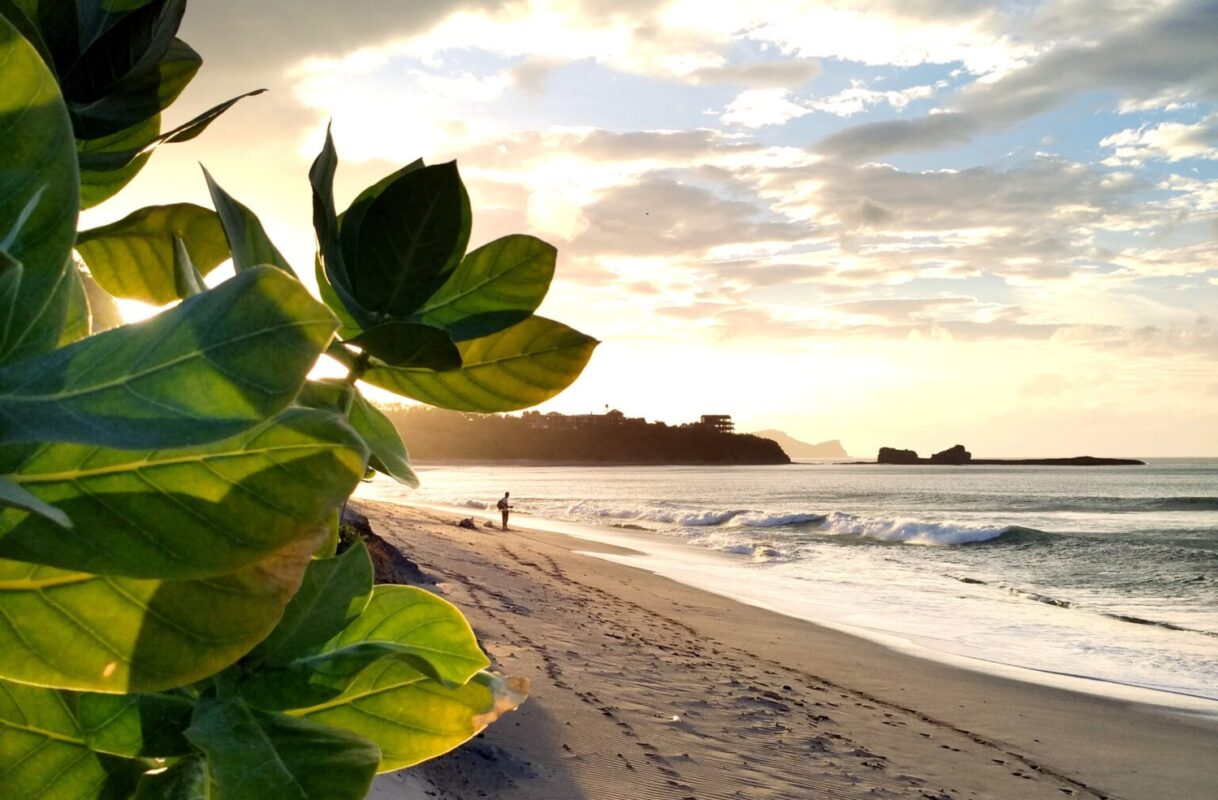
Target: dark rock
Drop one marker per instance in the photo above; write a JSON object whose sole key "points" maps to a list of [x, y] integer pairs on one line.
{"points": [[388, 563], [952, 455], [468, 522], [891, 455]]}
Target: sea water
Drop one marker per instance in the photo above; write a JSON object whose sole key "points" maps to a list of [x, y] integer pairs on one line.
{"points": [[1109, 574]]}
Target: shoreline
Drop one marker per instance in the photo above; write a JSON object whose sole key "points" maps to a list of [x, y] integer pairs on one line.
{"points": [[637, 676], [711, 570]]}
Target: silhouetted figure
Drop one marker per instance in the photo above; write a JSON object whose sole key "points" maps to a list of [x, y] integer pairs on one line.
{"points": [[504, 507]]}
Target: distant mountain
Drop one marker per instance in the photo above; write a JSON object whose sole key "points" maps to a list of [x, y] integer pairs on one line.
{"points": [[797, 449]]}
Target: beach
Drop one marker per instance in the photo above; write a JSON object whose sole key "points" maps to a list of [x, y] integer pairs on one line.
{"points": [[647, 688]]}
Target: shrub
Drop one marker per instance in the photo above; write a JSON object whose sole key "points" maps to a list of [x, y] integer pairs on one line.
{"points": [[174, 619]]}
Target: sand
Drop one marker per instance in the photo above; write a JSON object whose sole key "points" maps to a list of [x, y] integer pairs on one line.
{"points": [[645, 688]]}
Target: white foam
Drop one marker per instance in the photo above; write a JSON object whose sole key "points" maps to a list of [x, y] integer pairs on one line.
{"points": [[778, 520], [909, 531]]}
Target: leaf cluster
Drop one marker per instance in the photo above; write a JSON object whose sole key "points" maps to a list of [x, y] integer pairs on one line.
{"points": [[175, 621]]}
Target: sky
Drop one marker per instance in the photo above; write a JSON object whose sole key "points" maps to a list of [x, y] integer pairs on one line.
{"points": [[909, 223]]}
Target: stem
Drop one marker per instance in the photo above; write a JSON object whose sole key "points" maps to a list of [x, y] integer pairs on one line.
{"points": [[358, 368]]}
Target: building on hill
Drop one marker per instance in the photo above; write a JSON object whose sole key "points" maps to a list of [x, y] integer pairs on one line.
{"points": [[719, 422]]}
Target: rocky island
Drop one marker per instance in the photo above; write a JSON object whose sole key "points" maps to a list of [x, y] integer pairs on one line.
{"points": [[958, 456]]}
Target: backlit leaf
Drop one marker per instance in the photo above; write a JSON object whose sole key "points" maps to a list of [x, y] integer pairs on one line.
{"points": [[42, 750], [138, 635], [519, 367], [412, 718], [247, 239], [332, 594], [184, 513], [38, 194], [401, 623], [495, 286], [133, 258], [216, 364], [378, 432]]}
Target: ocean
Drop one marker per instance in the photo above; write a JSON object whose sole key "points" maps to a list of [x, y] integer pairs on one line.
{"points": [[1104, 578]]}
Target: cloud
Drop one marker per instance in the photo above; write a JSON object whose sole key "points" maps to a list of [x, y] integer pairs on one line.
{"points": [[859, 98], [875, 139], [660, 216], [758, 108], [906, 309], [1034, 222], [1170, 50], [759, 74], [891, 33], [1167, 141]]}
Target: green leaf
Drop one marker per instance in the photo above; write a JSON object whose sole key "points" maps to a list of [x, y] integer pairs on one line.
{"points": [[86, 632], [42, 750], [333, 278], [499, 284], [424, 626], [187, 779], [192, 128], [412, 718], [253, 754], [516, 368], [411, 238], [38, 194], [347, 225], [410, 344], [216, 364], [103, 311], [136, 725], [352, 219], [187, 513], [13, 495], [378, 432], [246, 237], [111, 162], [76, 324], [328, 394], [187, 280], [400, 623], [133, 258], [24, 16], [333, 593], [34, 329], [133, 69], [348, 327]]}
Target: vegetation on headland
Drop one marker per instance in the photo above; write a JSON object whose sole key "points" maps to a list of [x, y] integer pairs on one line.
{"points": [[612, 438], [179, 621]]}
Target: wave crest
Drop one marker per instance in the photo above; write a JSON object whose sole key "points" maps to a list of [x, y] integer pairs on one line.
{"points": [[909, 531]]}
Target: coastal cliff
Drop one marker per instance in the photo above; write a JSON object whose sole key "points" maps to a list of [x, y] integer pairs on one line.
{"points": [[958, 456], [612, 438]]}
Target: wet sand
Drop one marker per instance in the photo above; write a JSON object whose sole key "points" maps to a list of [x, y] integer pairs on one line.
{"points": [[645, 688]]}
